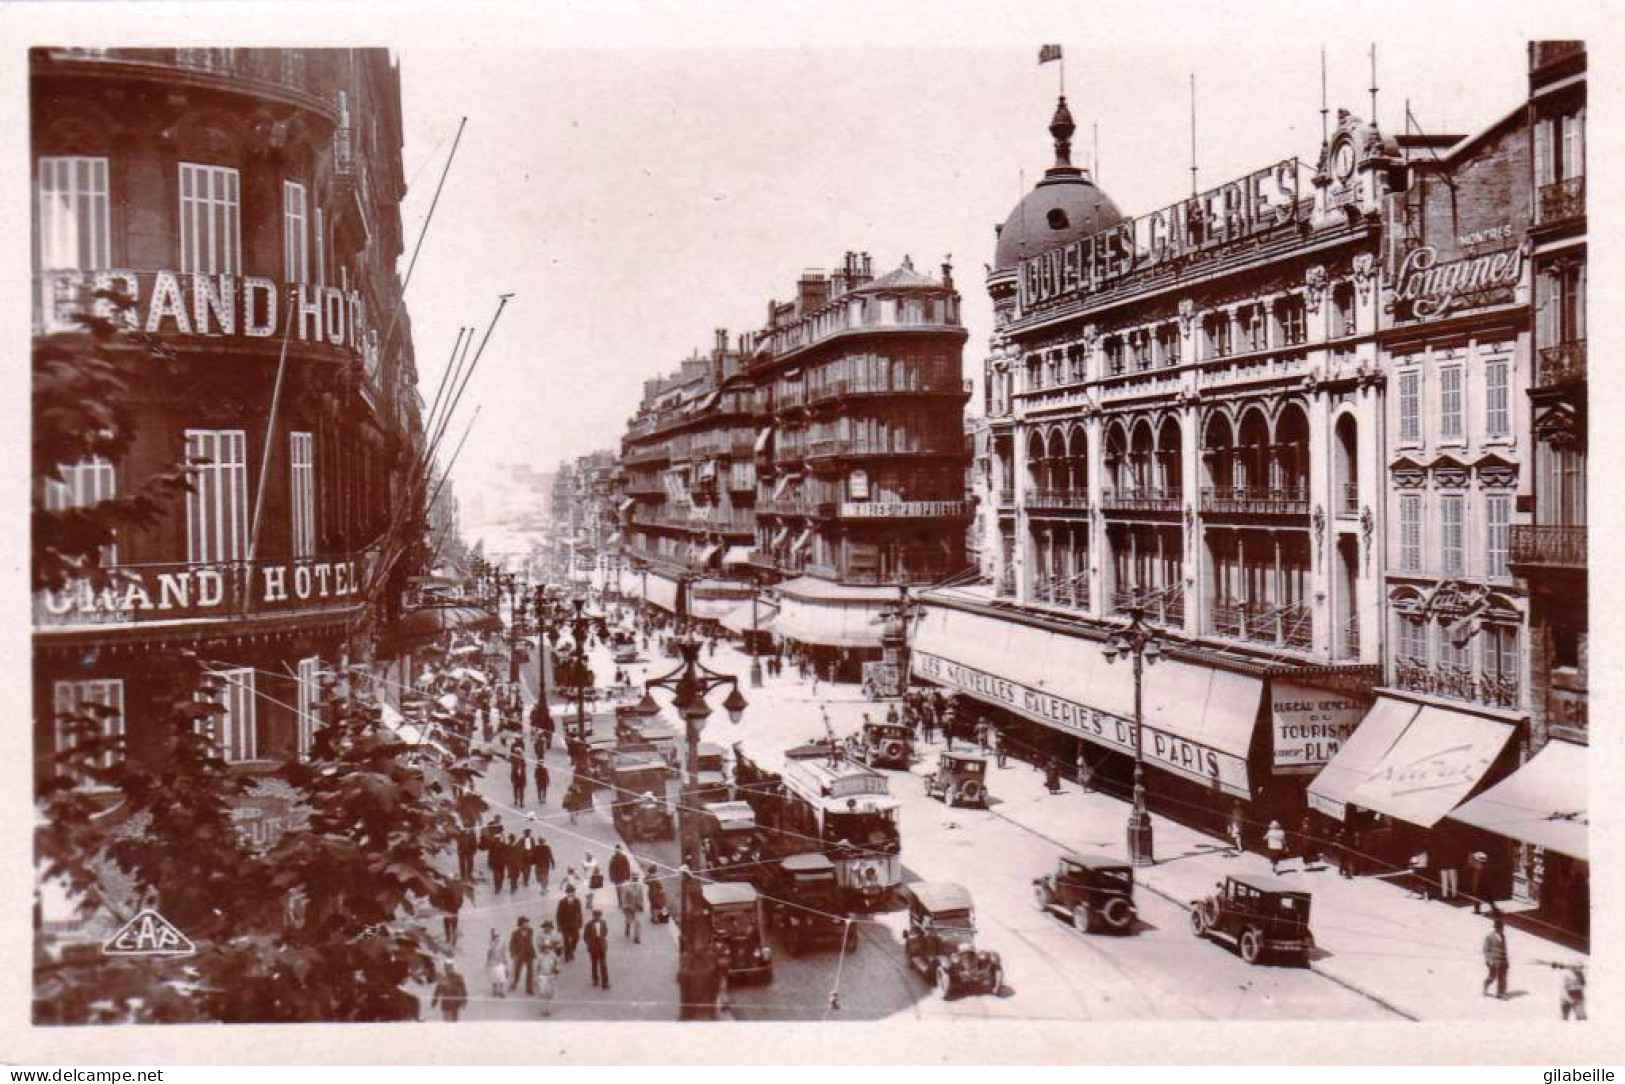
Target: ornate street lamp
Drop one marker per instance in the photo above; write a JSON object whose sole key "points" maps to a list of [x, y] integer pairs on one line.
{"points": [[540, 712], [1137, 641], [755, 634], [689, 685]]}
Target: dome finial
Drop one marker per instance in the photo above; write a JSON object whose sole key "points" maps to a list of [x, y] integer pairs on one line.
{"points": [[1061, 127]]}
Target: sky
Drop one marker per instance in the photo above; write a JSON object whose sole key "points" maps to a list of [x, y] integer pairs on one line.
{"points": [[634, 196]]}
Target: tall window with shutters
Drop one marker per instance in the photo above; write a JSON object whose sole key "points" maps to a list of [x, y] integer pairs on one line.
{"points": [[1410, 407], [83, 484], [1410, 532], [1452, 534], [302, 492], [102, 699], [234, 728], [1497, 533], [73, 213], [1450, 403], [1497, 398], [217, 506], [295, 233], [309, 703], [211, 220]]}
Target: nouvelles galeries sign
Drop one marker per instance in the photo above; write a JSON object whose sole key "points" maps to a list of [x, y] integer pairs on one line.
{"points": [[1170, 751]]}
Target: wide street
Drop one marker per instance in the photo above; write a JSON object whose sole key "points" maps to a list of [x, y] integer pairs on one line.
{"points": [[1052, 971]]}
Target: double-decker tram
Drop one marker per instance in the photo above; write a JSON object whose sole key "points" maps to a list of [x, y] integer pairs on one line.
{"points": [[845, 809]]}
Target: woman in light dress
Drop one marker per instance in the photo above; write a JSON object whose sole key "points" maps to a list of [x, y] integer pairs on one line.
{"points": [[496, 965], [548, 955]]}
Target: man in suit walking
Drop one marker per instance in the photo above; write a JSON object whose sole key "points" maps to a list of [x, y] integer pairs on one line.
{"points": [[542, 859], [568, 917], [523, 858], [468, 844], [522, 951], [596, 937]]}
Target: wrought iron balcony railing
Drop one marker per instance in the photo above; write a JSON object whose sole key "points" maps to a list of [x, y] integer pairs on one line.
{"points": [[1066, 500], [1456, 683], [1548, 546], [1562, 201], [1561, 364], [1142, 499], [1241, 500]]}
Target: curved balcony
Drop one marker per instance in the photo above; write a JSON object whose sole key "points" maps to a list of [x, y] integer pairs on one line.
{"points": [[838, 390], [301, 77]]}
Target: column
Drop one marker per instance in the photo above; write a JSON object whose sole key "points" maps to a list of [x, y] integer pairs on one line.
{"points": [[1321, 481], [1097, 552]]}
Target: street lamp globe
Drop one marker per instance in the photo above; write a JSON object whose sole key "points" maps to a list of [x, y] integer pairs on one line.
{"points": [[1152, 652], [735, 705]]}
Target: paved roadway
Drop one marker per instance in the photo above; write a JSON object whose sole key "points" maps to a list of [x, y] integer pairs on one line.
{"points": [[1052, 971]]}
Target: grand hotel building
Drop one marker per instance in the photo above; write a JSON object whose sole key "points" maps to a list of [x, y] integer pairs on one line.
{"points": [[1281, 418], [249, 201]]}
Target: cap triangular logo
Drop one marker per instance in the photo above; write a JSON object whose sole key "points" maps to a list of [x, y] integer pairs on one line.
{"points": [[148, 934]]}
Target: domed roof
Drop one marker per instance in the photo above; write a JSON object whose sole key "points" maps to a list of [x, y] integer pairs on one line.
{"points": [[1063, 207]]}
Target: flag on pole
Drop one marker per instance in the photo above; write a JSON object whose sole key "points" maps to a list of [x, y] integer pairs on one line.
{"points": [[1048, 53]]}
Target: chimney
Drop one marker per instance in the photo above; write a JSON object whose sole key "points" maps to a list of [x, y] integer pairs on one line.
{"points": [[811, 292], [722, 340]]}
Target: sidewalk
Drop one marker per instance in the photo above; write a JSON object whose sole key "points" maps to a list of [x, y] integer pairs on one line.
{"points": [[1418, 957]]}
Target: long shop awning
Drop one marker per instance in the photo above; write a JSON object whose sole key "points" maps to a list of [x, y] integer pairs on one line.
{"points": [[1433, 766], [1360, 754], [662, 591], [1544, 802], [738, 556], [1200, 722], [829, 624], [738, 619]]}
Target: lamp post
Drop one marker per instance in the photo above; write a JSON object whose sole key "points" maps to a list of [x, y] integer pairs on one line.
{"points": [[755, 634], [1136, 641], [540, 713], [689, 685], [510, 582]]}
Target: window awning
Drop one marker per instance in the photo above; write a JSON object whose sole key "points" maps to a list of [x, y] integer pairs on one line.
{"points": [[1360, 754], [778, 537], [627, 503], [762, 438], [707, 552], [778, 487], [738, 555], [662, 591], [801, 541], [613, 538], [1436, 763], [1543, 802]]}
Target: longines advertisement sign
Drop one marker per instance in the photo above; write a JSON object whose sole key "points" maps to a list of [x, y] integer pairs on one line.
{"points": [[1168, 751], [1221, 216], [1426, 288]]}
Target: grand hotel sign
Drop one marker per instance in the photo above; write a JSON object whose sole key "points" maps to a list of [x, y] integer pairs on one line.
{"points": [[214, 306], [1207, 222], [152, 593]]}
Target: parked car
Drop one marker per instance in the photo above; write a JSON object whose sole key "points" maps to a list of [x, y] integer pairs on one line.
{"points": [[1262, 915], [940, 942], [640, 810], [804, 899], [960, 779], [884, 745], [712, 781], [734, 912], [737, 845], [1093, 891]]}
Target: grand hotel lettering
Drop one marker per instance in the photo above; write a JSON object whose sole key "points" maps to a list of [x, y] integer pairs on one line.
{"points": [[1187, 758], [1232, 212], [205, 590], [169, 302]]}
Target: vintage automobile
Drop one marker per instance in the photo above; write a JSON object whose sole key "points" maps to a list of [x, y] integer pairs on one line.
{"points": [[712, 780], [960, 779], [640, 810], [1262, 915], [734, 841], [805, 902], [734, 912], [940, 942], [1093, 891], [884, 745]]}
